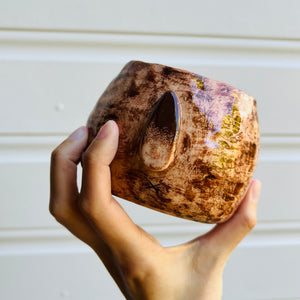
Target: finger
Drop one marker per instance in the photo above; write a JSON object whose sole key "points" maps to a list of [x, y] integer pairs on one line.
{"points": [[63, 186], [64, 200], [104, 212], [63, 171], [224, 237]]}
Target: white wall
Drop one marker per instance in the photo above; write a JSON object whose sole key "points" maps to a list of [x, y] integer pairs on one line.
{"points": [[56, 58]]}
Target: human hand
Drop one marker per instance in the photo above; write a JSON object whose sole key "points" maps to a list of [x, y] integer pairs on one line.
{"points": [[139, 264]]}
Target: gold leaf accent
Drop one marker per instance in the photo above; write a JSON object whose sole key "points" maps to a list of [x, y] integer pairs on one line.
{"points": [[199, 83], [227, 139]]}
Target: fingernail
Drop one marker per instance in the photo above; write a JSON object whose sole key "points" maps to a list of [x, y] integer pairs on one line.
{"points": [[78, 133], [106, 130], [255, 192]]}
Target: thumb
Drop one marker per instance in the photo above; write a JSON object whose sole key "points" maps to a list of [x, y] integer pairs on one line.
{"points": [[105, 214], [104, 146], [226, 236], [96, 160]]}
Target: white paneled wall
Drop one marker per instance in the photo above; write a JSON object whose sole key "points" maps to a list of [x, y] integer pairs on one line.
{"points": [[57, 57]]}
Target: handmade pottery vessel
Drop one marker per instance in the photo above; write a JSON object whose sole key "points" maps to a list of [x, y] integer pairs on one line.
{"points": [[188, 145]]}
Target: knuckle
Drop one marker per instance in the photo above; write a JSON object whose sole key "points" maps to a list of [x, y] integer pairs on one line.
{"points": [[89, 159], [59, 213], [136, 274], [56, 155], [249, 221], [52, 210]]}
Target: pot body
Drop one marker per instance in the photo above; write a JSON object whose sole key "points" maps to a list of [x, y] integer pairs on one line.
{"points": [[188, 145]]}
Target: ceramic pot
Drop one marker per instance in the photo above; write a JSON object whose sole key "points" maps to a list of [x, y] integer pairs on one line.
{"points": [[188, 145]]}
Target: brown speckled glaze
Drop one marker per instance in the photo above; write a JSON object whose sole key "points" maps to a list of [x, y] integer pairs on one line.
{"points": [[188, 145]]}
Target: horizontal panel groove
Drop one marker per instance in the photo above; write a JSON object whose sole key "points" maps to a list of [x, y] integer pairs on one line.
{"points": [[42, 45], [251, 19], [14, 149], [148, 33], [148, 39], [28, 241], [164, 229], [56, 60]]}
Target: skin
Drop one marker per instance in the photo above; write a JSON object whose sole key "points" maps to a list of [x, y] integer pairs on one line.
{"points": [[141, 267]]}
